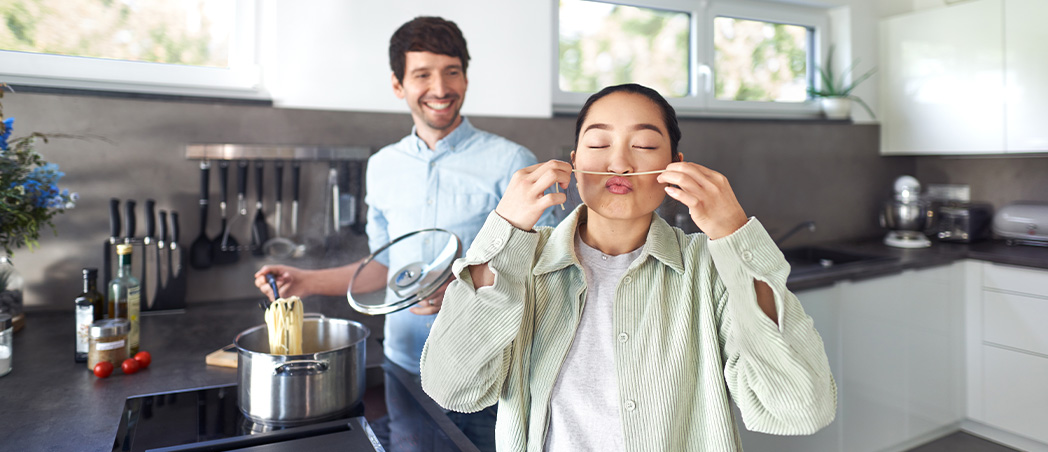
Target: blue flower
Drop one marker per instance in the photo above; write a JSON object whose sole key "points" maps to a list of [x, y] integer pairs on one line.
{"points": [[9, 125]]}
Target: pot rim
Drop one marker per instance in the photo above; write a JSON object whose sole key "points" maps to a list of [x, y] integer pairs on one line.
{"points": [[308, 318]]}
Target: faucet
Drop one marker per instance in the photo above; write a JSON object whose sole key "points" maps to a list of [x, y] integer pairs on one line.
{"points": [[809, 225]]}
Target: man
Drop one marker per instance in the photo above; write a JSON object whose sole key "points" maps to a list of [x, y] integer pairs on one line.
{"points": [[446, 174]]}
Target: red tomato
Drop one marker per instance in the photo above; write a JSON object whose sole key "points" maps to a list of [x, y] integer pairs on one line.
{"points": [[130, 366], [103, 369], [144, 359]]}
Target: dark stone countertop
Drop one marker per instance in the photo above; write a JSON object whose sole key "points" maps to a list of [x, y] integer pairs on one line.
{"points": [[900, 259], [51, 403]]}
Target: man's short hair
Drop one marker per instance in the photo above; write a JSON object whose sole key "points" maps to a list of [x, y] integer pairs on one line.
{"points": [[426, 34]]}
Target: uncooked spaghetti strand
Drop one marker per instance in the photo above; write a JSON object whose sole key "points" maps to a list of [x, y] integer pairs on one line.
{"points": [[605, 173]]}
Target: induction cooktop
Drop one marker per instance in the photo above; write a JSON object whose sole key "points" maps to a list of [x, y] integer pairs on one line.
{"points": [[208, 419]]}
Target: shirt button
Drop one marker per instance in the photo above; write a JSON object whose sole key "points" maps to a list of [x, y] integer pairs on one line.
{"points": [[747, 256], [429, 201], [432, 164], [631, 405], [623, 337], [627, 280]]}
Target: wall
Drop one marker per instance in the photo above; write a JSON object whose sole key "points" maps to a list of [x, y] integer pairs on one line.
{"points": [[996, 180], [783, 172]]}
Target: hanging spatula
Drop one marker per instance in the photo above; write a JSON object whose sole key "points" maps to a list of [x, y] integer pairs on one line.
{"points": [[259, 228]]}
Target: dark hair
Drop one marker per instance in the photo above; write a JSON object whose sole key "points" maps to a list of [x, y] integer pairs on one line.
{"points": [[669, 115], [426, 34]]}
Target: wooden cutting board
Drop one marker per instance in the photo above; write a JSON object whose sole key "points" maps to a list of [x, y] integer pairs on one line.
{"points": [[224, 357]]}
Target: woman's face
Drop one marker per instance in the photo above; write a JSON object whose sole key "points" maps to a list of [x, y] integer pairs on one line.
{"points": [[623, 133]]}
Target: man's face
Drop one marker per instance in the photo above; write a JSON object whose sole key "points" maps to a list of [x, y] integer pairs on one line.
{"points": [[434, 86]]}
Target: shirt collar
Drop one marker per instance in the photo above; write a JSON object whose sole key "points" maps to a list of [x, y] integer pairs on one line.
{"points": [[451, 142], [662, 243]]}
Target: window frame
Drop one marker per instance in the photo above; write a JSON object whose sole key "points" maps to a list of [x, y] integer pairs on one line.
{"points": [[700, 101], [242, 79]]}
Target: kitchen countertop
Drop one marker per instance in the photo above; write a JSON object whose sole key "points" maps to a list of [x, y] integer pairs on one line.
{"points": [[51, 403], [940, 253]]}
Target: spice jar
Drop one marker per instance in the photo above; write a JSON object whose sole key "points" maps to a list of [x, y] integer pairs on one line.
{"points": [[6, 349], [108, 342]]}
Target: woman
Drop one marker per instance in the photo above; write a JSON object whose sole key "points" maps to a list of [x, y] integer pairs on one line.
{"points": [[615, 331]]}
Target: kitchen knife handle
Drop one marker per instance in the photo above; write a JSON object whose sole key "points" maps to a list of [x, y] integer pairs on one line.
{"points": [[259, 172], [241, 185], [163, 227], [150, 218], [174, 227], [279, 167], [223, 179], [129, 221], [114, 218], [296, 170], [205, 173]]}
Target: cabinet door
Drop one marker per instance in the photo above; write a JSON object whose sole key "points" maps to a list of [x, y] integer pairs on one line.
{"points": [[1016, 397], [822, 305], [941, 80], [1026, 69]]}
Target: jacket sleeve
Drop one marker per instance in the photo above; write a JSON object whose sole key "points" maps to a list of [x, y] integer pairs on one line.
{"points": [[469, 350], [778, 376]]}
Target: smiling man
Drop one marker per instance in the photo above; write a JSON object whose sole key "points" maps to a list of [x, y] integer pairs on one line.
{"points": [[446, 174]]}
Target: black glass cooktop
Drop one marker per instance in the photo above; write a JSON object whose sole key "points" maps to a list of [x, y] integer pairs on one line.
{"points": [[209, 419]]}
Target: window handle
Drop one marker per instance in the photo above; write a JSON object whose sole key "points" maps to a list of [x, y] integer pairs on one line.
{"points": [[707, 76]]}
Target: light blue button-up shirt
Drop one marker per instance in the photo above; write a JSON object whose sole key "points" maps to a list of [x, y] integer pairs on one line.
{"points": [[453, 187]]}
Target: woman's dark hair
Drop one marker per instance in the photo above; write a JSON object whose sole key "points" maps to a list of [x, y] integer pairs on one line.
{"points": [[426, 34], [669, 115]]}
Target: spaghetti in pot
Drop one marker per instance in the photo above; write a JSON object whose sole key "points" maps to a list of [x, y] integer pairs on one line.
{"points": [[284, 324]]}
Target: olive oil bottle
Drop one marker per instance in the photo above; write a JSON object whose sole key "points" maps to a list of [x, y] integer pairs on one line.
{"points": [[125, 295], [89, 307]]}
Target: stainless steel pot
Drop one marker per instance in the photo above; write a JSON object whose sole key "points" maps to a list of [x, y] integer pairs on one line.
{"points": [[320, 384]]}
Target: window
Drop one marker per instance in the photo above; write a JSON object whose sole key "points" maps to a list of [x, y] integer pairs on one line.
{"points": [[202, 47], [712, 58]]}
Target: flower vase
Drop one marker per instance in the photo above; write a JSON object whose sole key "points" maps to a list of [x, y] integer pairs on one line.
{"points": [[11, 284]]}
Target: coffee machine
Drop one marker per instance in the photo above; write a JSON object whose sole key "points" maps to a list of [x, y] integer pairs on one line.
{"points": [[906, 215]]}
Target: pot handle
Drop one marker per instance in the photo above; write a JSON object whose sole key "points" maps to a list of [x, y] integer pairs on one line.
{"points": [[301, 368]]}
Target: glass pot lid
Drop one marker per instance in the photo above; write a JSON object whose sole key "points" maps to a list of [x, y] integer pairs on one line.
{"points": [[403, 272]]}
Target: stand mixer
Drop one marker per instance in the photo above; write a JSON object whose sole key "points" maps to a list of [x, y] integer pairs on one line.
{"points": [[906, 216]]}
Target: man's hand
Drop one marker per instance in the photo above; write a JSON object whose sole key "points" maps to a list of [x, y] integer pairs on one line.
{"points": [[525, 200], [710, 199], [432, 304], [290, 281]]}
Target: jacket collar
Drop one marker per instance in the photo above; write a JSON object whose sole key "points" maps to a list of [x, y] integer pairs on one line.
{"points": [[662, 243]]}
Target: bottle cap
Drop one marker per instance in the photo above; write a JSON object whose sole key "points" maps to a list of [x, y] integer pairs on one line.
{"points": [[90, 272], [123, 248], [110, 327]]}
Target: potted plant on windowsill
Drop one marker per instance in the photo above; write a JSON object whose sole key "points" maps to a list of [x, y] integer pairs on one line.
{"points": [[835, 96]]}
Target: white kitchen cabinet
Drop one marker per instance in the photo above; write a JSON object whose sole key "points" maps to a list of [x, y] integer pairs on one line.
{"points": [[941, 80], [1026, 73], [895, 347], [902, 356], [965, 79], [1008, 355]]}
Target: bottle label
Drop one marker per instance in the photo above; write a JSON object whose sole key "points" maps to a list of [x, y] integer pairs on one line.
{"points": [[102, 346], [133, 309], [85, 315]]}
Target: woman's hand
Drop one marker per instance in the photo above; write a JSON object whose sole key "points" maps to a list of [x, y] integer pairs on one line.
{"points": [[290, 281], [709, 198], [525, 200], [432, 304]]}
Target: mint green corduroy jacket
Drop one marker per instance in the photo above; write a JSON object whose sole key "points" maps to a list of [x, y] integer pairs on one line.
{"points": [[689, 335]]}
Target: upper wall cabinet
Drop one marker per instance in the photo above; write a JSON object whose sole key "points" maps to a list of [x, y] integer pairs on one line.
{"points": [[965, 79], [333, 54]]}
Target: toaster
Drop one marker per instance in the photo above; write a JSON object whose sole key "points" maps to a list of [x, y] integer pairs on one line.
{"points": [[964, 223], [1024, 223]]}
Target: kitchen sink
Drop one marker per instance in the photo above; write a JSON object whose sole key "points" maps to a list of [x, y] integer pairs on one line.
{"points": [[814, 259]]}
